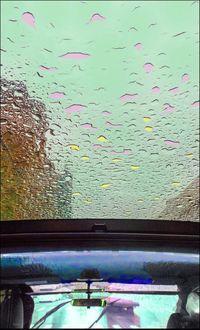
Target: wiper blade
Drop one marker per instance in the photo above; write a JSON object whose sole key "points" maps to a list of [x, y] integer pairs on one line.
{"points": [[102, 313], [53, 310]]}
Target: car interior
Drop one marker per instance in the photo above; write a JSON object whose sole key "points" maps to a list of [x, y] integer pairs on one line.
{"points": [[113, 268]]}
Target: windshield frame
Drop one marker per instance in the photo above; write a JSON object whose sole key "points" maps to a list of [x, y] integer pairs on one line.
{"points": [[22, 236]]}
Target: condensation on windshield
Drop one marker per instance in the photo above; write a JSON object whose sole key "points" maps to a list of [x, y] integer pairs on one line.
{"points": [[100, 110]]}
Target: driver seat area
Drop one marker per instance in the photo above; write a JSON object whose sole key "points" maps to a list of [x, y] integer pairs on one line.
{"points": [[16, 309], [190, 319]]}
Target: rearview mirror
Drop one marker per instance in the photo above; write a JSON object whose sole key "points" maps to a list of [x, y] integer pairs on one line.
{"points": [[89, 302]]}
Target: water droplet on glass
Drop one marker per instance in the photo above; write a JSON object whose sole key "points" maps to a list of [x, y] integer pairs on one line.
{"points": [[45, 68]]}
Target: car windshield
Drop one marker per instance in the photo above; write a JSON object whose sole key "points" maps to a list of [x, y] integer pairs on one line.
{"points": [[136, 309], [100, 112]]}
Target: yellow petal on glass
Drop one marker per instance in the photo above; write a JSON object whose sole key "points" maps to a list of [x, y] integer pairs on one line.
{"points": [[135, 167], [116, 160], [76, 194], [88, 201], [85, 157], [156, 198], [140, 200], [147, 119], [176, 184], [148, 129], [189, 155], [102, 138], [74, 147], [106, 185]]}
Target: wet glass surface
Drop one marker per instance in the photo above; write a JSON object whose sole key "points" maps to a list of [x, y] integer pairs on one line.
{"points": [[151, 311], [100, 110]]}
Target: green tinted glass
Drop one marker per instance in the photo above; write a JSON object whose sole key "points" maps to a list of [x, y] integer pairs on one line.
{"points": [[99, 110]]}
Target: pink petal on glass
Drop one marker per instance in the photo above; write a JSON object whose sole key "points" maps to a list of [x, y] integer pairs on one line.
{"points": [[127, 97], [156, 89], [45, 68], [113, 152], [88, 126], [75, 56], [195, 104], [110, 125], [122, 302], [28, 18], [148, 67], [185, 77], [56, 95], [97, 17], [99, 146], [106, 113], [168, 108], [138, 46], [172, 143], [173, 90], [124, 152], [75, 108]]}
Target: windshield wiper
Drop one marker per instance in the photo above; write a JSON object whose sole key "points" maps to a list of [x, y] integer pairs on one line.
{"points": [[38, 324], [102, 313], [53, 310]]}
